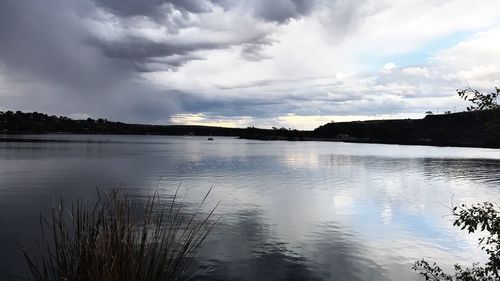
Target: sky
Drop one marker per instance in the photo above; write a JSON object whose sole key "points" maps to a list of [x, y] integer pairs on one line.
{"points": [[237, 63]]}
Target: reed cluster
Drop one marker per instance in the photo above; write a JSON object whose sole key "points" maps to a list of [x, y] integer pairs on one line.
{"points": [[118, 240]]}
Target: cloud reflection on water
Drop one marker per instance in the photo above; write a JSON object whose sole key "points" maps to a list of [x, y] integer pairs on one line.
{"points": [[309, 211]]}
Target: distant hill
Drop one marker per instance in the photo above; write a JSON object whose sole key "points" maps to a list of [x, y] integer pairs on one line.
{"points": [[475, 129]]}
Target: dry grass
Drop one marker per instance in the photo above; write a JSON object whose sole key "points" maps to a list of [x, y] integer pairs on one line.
{"points": [[110, 241]]}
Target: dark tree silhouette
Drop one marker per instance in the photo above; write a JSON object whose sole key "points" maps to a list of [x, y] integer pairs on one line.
{"points": [[480, 101]]}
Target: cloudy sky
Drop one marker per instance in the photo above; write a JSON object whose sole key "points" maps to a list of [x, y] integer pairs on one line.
{"points": [[292, 63]]}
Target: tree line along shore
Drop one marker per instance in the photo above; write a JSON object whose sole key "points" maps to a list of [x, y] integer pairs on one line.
{"points": [[472, 129]]}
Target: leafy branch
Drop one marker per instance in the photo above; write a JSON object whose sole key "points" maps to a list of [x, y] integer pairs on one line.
{"points": [[480, 101], [482, 217]]}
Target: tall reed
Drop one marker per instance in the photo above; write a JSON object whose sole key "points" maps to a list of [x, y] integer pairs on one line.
{"points": [[111, 241]]}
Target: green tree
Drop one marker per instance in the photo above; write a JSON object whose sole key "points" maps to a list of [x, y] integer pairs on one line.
{"points": [[480, 101], [485, 218]]}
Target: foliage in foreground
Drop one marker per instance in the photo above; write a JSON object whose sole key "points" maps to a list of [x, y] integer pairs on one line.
{"points": [[480, 101], [115, 240], [480, 217]]}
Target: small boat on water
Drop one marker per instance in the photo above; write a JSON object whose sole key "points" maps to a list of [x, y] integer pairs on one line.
{"points": [[210, 138]]}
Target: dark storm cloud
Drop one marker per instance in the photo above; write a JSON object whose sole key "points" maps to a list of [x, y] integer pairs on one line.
{"points": [[64, 68], [64, 63], [253, 51], [282, 10], [139, 49], [56, 71], [37, 43], [152, 8], [173, 62], [56, 46], [274, 11], [231, 106], [277, 104], [172, 54]]}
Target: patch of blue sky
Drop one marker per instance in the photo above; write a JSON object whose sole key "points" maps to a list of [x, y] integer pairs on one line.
{"points": [[420, 55], [423, 54]]}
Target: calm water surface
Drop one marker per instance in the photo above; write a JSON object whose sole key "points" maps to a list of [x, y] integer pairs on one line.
{"points": [[290, 210]]}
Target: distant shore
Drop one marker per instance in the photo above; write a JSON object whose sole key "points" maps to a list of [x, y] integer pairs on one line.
{"points": [[465, 129]]}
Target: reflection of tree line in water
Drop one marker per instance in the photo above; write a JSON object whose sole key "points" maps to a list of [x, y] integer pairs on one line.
{"points": [[476, 170]]}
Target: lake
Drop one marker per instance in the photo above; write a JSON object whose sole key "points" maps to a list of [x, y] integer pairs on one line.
{"points": [[289, 210]]}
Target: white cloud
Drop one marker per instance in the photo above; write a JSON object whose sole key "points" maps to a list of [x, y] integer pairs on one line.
{"points": [[474, 61], [418, 71], [388, 67], [218, 121], [404, 26]]}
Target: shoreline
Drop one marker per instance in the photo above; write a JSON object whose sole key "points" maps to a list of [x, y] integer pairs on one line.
{"points": [[8, 138], [465, 129]]}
